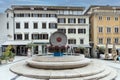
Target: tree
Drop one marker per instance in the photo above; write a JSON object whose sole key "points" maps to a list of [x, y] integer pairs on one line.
{"points": [[101, 50], [8, 53]]}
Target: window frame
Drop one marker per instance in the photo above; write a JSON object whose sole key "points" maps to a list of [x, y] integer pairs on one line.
{"points": [[18, 25]]}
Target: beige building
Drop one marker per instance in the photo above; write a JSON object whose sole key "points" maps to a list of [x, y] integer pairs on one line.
{"points": [[104, 26]]}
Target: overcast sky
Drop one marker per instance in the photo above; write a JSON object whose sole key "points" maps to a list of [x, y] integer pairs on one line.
{"points": [[4, 4]]}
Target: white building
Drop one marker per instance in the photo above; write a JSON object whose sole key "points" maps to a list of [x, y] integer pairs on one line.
{"points": [[76, 28], [26, 24], [3, 32]]}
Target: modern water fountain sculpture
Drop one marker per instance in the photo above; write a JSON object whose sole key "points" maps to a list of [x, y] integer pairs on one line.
{"points": [[64, 67], [58, 42]]}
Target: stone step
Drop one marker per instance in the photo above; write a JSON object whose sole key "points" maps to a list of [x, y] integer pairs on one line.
{"points": [[112, 75], [103, 74], [59, 65], [65, 58], [92, 69]]}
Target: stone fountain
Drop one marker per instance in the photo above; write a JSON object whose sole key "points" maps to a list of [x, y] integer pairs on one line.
{"points": [[65, 67]]}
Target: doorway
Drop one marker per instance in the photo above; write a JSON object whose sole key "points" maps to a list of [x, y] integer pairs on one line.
{"points": [[36, 50], [21, 50]]}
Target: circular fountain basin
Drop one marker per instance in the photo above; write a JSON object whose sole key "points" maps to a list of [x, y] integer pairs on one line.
{"points": [[57, 59], [65, 62], [63, 68]]}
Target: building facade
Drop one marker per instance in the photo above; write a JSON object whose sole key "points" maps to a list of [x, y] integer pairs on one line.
{"points": [[76, 28], [3, 31], [35, 24], [104, 26]]}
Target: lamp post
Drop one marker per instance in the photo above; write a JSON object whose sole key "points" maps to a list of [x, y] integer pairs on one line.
{"points": [[91, 49]]}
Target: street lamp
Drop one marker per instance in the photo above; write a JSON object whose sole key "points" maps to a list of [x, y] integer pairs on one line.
{"points": [[91, 49]]}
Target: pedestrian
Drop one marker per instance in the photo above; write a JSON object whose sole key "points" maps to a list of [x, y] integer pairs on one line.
{"points": [[119, 58], [29, 52]]}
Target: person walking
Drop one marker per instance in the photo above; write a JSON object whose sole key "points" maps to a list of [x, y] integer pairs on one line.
{"points": [[29, 52], [119, 58]]}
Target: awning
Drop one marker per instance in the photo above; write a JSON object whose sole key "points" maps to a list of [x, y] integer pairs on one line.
{"points": [[110, 46], [73, 45], [101, 45], [41, 42], [16, 42]]}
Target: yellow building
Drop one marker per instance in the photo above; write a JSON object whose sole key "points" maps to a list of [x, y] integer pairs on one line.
{"points": [[104, 25]]}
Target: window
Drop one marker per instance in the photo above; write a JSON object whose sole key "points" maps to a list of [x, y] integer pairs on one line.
{"points": [[71, 30], [116, 40], [35, 25], [35, 15], [82, 31], [70, 12], [43, 36], [26, 15], [108, 18], [44, 15], [61, 12], [81, 41], [81, 20], [71, 20], [7, 15], [52, 15], [62, 30], [44, 25], [116, 29], [100, 17], [7, 25], [116, 18], [17, 25], [35, 36], [100, 41], [71, 41], [108, 30], [22, 15], [26, 25], [17, 36], [108, 40], [17, 15], [61, 20], [100, 29], [26, 36], [52, 25]]}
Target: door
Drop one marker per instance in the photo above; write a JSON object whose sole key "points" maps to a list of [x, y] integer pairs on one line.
{"points": [[21, 50]]}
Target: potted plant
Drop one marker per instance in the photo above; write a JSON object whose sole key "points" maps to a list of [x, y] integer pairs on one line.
{"points": [[11, 56], [101, 50], [8, 53], [3, 59]]}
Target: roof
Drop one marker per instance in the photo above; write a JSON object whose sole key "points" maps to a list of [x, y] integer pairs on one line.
{"points": [[102, 7], [40, 7]]}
